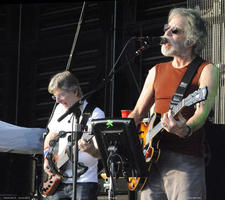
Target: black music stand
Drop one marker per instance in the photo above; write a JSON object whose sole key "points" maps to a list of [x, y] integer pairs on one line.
{"points": [[120, 149]]}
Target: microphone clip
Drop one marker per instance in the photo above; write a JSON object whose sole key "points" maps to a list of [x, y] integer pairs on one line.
{"points": [[145, 45]]}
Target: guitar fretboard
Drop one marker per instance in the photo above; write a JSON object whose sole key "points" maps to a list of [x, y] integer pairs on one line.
{"points": [[153, 132]]}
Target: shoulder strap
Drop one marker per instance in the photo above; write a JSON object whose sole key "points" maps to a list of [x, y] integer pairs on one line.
{"points": [[85, 116], [186, 80]]}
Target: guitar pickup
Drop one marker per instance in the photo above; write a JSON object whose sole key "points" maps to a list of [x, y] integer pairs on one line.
{"points": [[140, 132]]}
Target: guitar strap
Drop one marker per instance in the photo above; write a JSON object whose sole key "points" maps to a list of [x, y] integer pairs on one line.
{"points": [[185, 82], [85, 116]]}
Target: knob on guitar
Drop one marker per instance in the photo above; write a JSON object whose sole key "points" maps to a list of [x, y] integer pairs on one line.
{"points": [[51, 184]]}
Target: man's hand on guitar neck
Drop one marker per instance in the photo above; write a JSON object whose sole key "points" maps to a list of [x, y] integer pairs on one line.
{"points": [[177, 127], [89, 147]]}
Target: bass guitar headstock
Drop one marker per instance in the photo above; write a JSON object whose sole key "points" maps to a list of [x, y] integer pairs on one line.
{"points": [[193, 98]]}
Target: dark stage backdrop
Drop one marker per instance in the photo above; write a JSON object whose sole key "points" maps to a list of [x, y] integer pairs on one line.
{"points": [[36, 40]]}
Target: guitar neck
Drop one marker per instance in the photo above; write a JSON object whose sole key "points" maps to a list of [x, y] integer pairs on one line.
{"points": [[156, 130], [63, 157], [159, 127]]}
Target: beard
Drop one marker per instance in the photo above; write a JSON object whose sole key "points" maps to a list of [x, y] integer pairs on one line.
{"points": [[168, 51]]}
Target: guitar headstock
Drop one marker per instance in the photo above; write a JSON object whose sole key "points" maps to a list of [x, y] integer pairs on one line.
{"points": [[196, 97], [193, 98]]}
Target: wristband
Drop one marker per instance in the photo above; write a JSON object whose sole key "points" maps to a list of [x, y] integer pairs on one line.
{"points": [[189, 134], [45, 152]]}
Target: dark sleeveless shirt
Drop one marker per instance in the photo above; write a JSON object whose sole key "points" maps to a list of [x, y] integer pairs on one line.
{"points": [[167, 79]]}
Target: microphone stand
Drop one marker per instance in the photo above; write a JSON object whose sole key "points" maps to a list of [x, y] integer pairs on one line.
{"points": [[74, 146], [76, 111]]}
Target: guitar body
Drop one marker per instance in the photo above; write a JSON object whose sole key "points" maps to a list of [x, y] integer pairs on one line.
{"points": [[56, 162], [150, 148], [50, 186]]}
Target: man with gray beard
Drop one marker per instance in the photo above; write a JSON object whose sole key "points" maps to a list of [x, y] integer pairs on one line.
{"points": [[179, 173]]}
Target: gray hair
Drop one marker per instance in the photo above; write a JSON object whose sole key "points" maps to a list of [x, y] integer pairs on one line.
{"points": [[196, 31], [65, 81]]}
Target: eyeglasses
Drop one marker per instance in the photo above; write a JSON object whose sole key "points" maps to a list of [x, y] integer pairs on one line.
{"points": [[60, 96], [174, 30]]}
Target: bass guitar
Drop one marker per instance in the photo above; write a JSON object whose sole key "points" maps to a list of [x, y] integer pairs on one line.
{"points": [[150, 140], [51, 182], [56, 162]]}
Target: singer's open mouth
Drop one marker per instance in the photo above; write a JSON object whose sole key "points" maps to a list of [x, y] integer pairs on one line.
{"points": [[168, 44]]}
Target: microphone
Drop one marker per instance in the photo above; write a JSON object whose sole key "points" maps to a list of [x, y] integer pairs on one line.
{"points": [[74, 108], [150, 41], [157, 40]]}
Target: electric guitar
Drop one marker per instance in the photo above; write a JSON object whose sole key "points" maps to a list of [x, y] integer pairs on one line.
{"points": [[56, 162], [51, 182], [149, 131]]}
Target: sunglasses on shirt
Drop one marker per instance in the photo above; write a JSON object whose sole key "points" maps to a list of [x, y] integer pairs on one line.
{"points": [[174, 30]]}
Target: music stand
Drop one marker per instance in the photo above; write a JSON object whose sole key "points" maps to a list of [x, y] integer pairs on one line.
{"points": [[120, 148]]}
